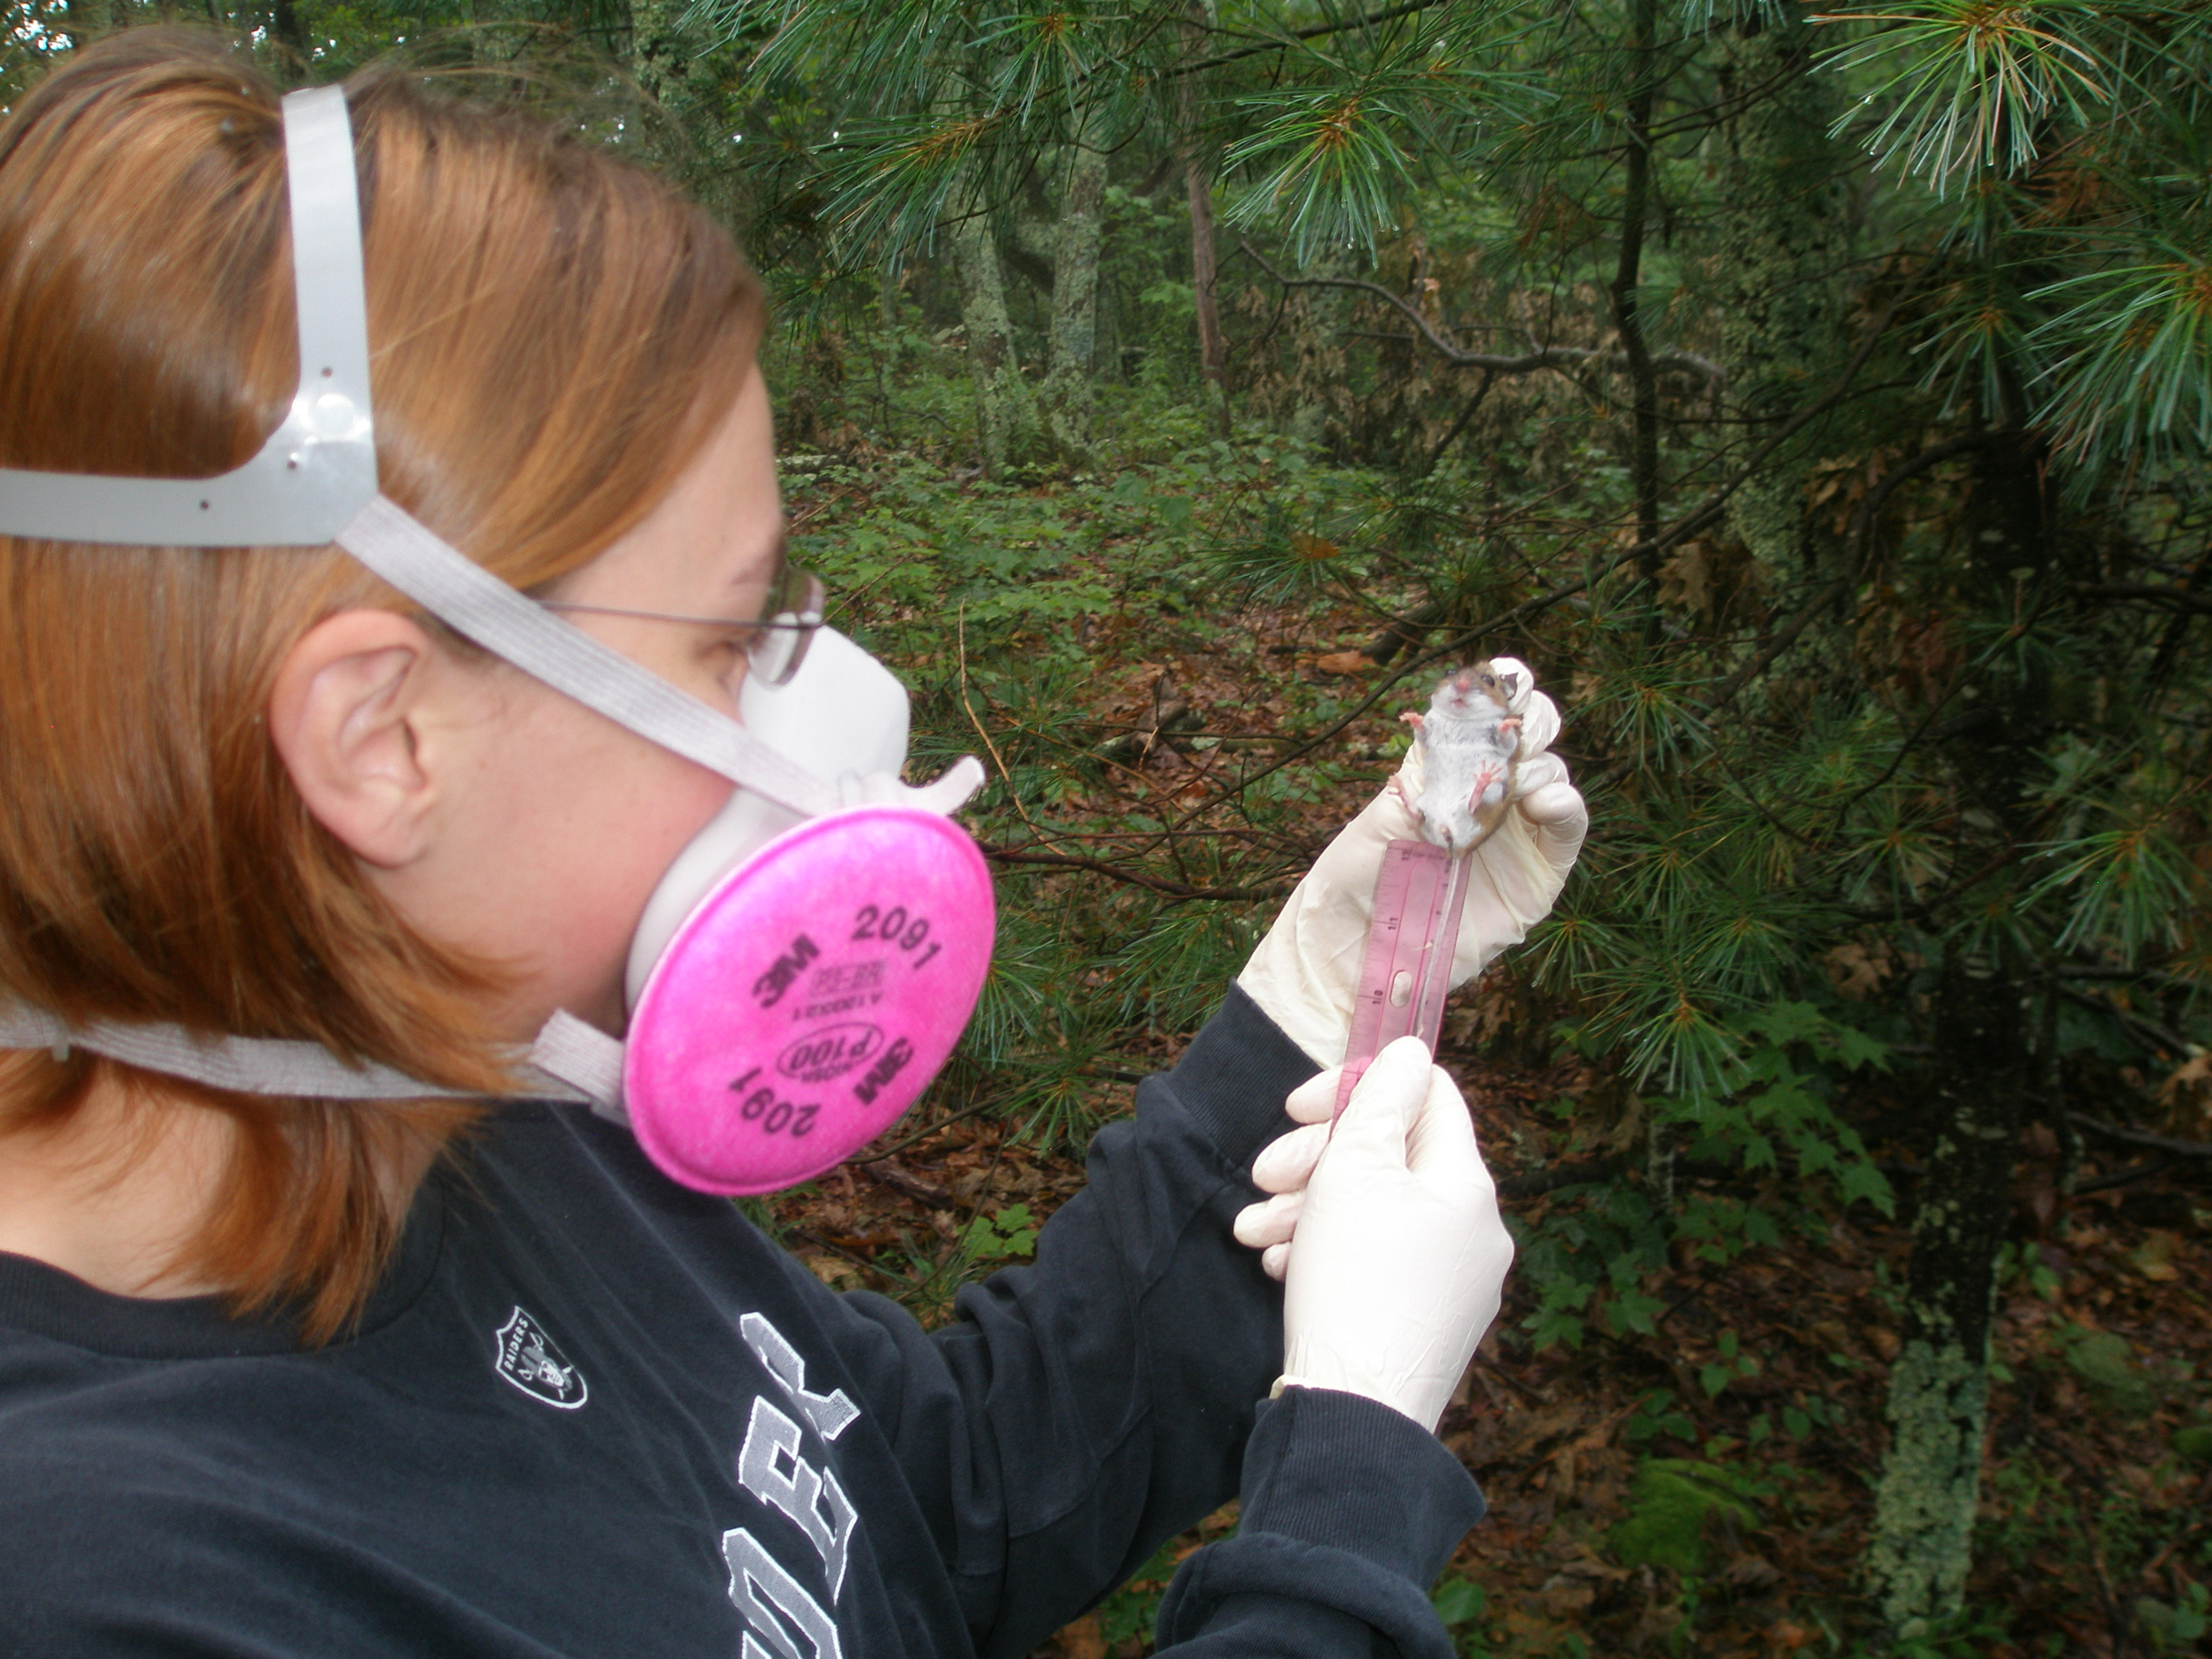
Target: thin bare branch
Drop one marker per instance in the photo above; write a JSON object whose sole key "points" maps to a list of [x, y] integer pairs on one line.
{"points": [[1862, 532], [1174, 890], [1700, 516], [1312, 33], [2180, 597], [2141, 1138], [1527, 363], [1006, 777]]}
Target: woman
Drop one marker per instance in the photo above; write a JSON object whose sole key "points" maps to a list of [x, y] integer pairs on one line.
{"points": [[388, 1357]]}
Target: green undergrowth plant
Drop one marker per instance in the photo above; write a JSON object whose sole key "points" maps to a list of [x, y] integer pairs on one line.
{"points": [[1676, 1506], [1770, 1108], [1008, 1235], [1129, 1613], [1463, 1605]]}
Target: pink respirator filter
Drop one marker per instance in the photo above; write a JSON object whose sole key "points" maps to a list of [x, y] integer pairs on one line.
{"points": [[809, 999]]}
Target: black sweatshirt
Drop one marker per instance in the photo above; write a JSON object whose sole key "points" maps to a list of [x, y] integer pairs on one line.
{"points": [[590, 1412]]}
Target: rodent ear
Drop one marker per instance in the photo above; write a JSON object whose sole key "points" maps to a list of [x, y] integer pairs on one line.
{"points": [[1515, 680]]}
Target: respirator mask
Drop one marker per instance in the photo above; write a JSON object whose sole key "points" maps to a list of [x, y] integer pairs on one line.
{"points": [[805, 966]]}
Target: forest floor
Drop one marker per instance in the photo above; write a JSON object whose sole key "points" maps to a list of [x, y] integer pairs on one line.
{"points": [[1706, 1486]]}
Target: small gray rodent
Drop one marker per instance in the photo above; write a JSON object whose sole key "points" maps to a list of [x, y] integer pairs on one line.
{"points": [[1469, 739]]}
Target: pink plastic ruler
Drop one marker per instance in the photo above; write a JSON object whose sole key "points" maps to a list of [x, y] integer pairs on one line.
{"points": [[1419, 892]]}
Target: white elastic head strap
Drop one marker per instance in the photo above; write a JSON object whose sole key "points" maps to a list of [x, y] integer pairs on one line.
{"points": [[314, 483]]}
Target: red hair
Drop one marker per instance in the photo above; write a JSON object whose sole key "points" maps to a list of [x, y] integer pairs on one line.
{"points": [[555, 335]]}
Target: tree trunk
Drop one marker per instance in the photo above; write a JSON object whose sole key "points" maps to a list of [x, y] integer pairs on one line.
{"points": [[1782, 237], [1205, 282], [1939, 1383], [1317, 352], [1627, 277], [1198, 187], [1006, 413], [284, 25], [1065, 399], [660, 62]]}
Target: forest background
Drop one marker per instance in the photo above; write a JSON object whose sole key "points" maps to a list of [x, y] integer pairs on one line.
{"points": [[1820, 404]]}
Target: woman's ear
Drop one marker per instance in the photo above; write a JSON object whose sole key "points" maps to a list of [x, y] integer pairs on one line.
{"points": [[347, 716]]}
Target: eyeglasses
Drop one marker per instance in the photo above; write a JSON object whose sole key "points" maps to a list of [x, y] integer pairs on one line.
{"points": [[774, 643]]}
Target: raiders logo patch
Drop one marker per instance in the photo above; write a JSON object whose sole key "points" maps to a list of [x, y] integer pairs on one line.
{"points": [[529, 1358]]}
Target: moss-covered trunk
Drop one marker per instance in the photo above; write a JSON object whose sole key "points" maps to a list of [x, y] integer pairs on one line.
{"points": [[1065, 398], [1939, 1383], [1782, 238], [1005, 412]]}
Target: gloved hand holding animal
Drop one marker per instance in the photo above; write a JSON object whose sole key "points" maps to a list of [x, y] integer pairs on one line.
{"points": [[1480, 784], [1446, 792]]}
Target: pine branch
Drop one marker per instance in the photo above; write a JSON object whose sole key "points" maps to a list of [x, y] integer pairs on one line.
{"points": [[1692, 521], [2180, 597], [1627, 279], [1537, 1183], [2127, 1177], [2145, 1030]]}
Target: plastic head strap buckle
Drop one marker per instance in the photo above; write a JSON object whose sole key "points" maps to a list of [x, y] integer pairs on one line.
{"points": [[319, 468]]}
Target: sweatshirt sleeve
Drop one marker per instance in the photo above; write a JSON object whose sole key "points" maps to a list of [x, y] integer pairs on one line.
{"points": [[1350, 1510], [1078, 1410]]}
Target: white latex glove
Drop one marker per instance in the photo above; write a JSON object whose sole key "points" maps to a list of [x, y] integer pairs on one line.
{"points": [[1401, 1257], [1306, 970]]}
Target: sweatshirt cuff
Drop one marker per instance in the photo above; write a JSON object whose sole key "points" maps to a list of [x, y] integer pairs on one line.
{"points": [[1233, 1078], [1350, 1512], [1328, 1468]]}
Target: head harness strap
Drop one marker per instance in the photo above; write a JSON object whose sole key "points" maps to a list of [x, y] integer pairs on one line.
{"points": [[319, 468]]}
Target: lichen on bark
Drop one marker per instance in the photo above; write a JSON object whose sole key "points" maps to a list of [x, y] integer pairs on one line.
{"points": [[1005, 411], [1065, 398], [1931, 1484], [1917, 1558]]}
